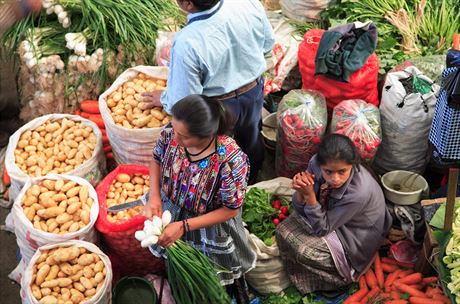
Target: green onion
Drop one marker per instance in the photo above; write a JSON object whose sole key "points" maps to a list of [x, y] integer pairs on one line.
{"points": [[193, 276]]}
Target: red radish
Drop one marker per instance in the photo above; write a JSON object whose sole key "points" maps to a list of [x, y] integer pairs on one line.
{"points": [[276, 221], [284, 210], [276, 204], [282, 217]]}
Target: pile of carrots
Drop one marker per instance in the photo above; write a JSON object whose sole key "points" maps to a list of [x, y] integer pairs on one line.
{"points": [[89, 109], [393, 282]]}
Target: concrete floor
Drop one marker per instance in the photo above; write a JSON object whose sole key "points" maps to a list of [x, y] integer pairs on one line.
{"points": [[9, 291]]}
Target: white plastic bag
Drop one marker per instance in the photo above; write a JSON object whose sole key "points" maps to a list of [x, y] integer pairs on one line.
{"points": [[104, 294], [406, 120], [131, 146], [29, 239], [284, 55], [92, 169], [359, 121], [303, 10], [163, 48], [269, 275]]}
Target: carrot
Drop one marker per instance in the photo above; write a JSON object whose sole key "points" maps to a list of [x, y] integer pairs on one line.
{"points": [[84, 115], [430, 280], [398, 263], [97, 119], [396, 302], [362, 282], [371, 280], [90, 106], [410, 290], [379, 271], [389, 267], [417, 286], [357, 296], [440, 297], [374, 291], [391, 278], [6, 177], [77, 112], [437, 290], [413, 278], [421, 300], [395, 295], [405, 273]]}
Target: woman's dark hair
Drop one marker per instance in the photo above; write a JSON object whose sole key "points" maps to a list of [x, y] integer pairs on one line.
{"points": [[203, 116], [335, 147], [204, 5]]}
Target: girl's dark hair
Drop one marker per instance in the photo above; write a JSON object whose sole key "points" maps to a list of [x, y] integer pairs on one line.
{"points": [[203, 116], [204, 5], [338, 147]]}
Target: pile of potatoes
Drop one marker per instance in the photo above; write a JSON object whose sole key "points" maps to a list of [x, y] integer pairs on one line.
{"points": [[57, 206], [128, 109], [67, 275], [54, 147], [124, 189]]}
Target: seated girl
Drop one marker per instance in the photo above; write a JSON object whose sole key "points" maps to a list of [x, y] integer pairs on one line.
{"points": [[340, 220]]}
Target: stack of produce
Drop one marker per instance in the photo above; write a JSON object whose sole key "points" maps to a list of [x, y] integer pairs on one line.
{"points": [[360, 121], [125, 183], [55, 143], [400, 285], [89, 109], [70, 272], [263, 212], [71, 50], [302, 119], [191, 275], [452, 258]]}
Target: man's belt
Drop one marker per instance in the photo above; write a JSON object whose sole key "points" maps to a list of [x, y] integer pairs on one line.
{"points": [[237, 92]]}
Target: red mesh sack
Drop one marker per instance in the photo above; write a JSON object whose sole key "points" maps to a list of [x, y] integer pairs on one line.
{"points": [[362, 84], [118, 237]]}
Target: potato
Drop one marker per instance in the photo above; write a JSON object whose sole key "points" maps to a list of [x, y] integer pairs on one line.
{"points": [[85, 259], [49, 300], [42, 273]]}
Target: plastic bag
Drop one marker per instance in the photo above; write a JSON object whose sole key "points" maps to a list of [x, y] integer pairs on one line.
{"points": [[362, 83], [119, 236], [360, 121], [406, 120], [92, 169], [303, 10], [29, 238], [130, 146], [163, 48], [302, 121], [269, 275], [103, 295]]}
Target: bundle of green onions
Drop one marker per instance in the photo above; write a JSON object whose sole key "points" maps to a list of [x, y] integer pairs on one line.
{"points": [[191, 275]]}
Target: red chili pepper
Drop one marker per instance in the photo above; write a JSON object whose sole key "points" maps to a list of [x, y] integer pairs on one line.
{"points": [[276, 204], [284, 210], [276, 221]]}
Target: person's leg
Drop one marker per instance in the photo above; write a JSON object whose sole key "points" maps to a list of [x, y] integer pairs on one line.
{"points": [[247, 111]]}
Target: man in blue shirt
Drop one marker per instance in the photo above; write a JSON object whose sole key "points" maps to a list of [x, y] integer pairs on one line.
{"points": [[220, 53]]}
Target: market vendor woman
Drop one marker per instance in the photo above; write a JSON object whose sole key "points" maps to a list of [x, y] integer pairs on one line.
{"points": [[340, 220], [200, 175]]}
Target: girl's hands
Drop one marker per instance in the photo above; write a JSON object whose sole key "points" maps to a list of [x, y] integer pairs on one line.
{"points": [[171, 234], [304, 183], [153, 207]]}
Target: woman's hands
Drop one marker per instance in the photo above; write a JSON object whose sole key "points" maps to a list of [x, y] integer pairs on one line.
{"points": [[153, 207], [171, 234], [304, 183]]}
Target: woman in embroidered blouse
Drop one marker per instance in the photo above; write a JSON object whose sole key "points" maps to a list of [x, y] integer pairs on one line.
{"points": [[200, 175]]}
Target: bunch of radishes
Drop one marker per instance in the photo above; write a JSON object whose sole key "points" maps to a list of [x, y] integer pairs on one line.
{"points": [[281, 212]]}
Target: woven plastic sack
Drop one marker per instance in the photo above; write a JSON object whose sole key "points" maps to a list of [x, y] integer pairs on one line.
{"points": [[91, 170], [130, 146], [362, 84], [29, 239], [303, 10], [406, 120], [302, 121], [119, 236], [103, 295], [359, 121], [269, 275]]}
